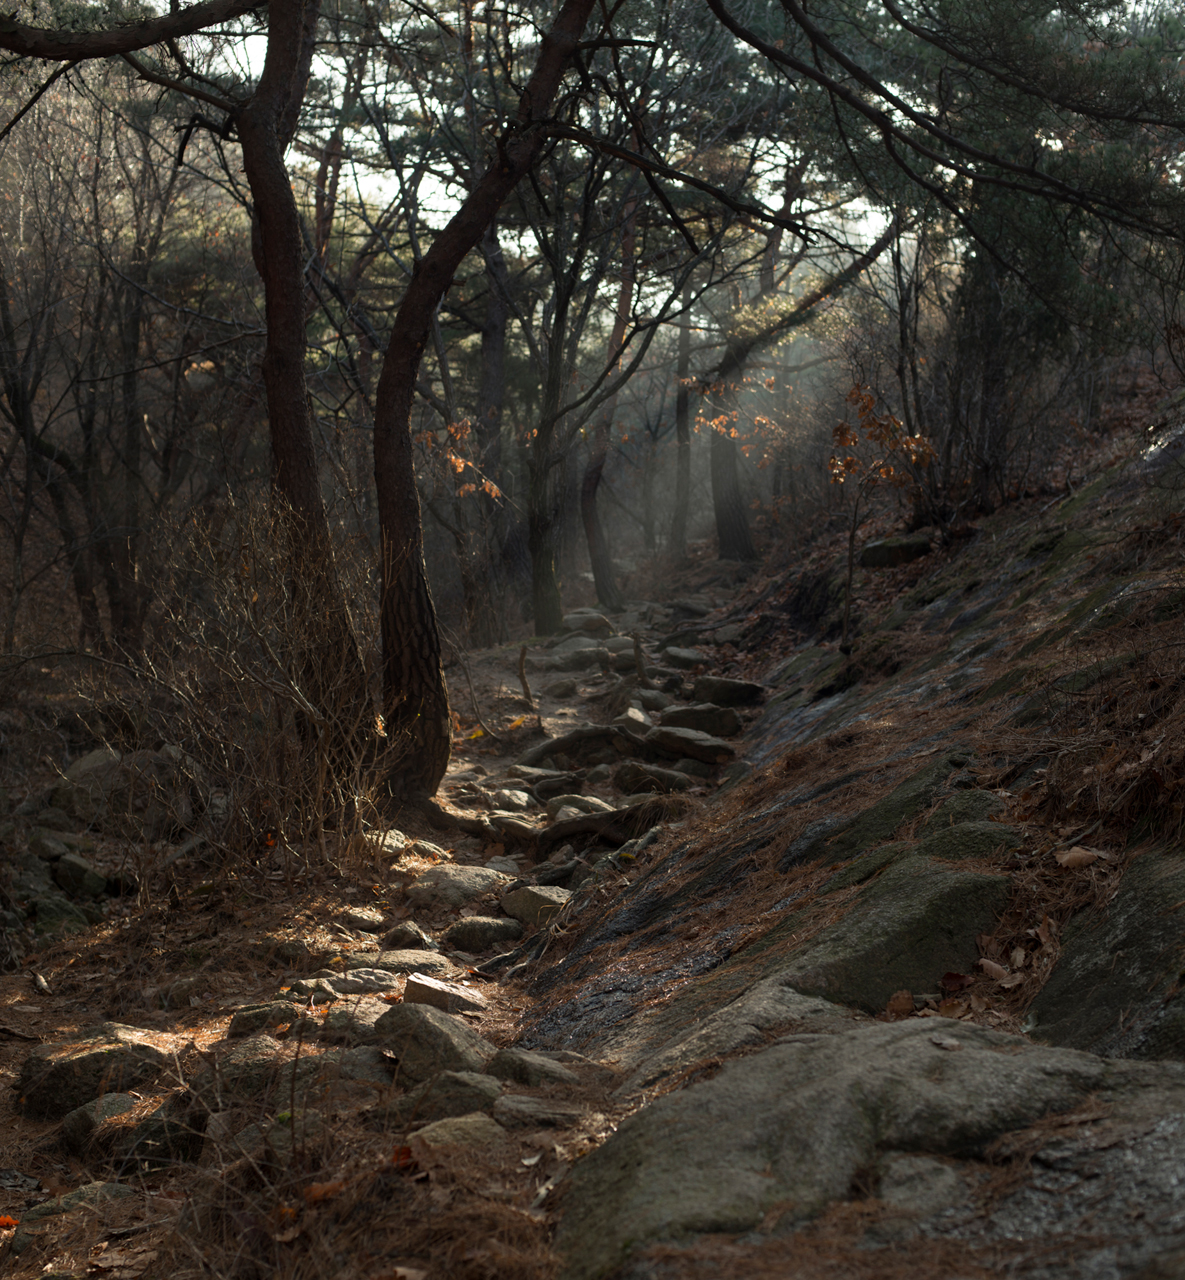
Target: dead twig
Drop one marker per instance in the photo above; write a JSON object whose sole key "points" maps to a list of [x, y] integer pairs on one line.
{"points": [[522, 677]]}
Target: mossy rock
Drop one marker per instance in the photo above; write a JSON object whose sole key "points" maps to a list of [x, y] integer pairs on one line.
{"points": [[969, 840], [915, 922], [964, 806], [878, 823], [1114, 990], [867, 865]]}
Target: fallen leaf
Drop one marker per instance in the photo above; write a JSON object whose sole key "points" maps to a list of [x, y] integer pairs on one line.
{"points": [[952, 1008], [6, 1222], [1077, 857], [900, 1004], [955, 981], [978, 1004], [318, 1191], [1011, 980], [529, 1161], [992, 969], [1018, 958], [517, 724]]}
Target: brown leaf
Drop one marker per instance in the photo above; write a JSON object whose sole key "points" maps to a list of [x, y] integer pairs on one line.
{"points": [[955, 981], [992, 969], [978, 1004], [1010, 980], [1018, 957], [952, 1008], [988, 945], [900, 1005], [1076, 857]]}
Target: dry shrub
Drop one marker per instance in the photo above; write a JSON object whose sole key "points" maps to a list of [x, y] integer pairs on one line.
{"points": [[271, 716]]}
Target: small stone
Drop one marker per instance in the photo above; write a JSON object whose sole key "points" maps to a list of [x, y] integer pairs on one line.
{"points": [[653, 700], [244, 1071], [94, 1193], [588, 620], [451, 886], [315, 990], [407, 962], [633, 778], [522, 1066], [582, 804], [392, 844], [575, 644], [504, 863], [601, 773], [367, 1063], [353, 1021], [364, 919], [693, 768], [512, 801], [475, 1130], [480, 933], [724, 692], [535, 905], [408, 936], [683, 658], [48, 845], [889, 552], [632, 718], [260, 1017], [449, 996], [427, 1041], [561, 689]]}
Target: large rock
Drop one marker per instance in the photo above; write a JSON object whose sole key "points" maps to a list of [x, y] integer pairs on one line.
{"points": [[451, 1093], [77, 877], [408, 936], [56, 1078], [451, 886], [790, 1129], [632, 777], [245, 1072], [521, 1066], [535, 905], [90, 1197], [967, 840], [479, 933], [1116, 987], [427, 1041], [448, 996], [724, 692], [156, 794], [430, 962], [721, 722], [353, 1021], [79, 1124], [692, 743], [907, 928], [684, 658], [587, 620]]}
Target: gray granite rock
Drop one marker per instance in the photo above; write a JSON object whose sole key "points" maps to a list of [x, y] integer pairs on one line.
{"points": [[427, 1041]]}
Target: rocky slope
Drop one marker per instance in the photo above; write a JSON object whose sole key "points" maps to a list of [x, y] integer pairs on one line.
{"points": [[762, 959]]}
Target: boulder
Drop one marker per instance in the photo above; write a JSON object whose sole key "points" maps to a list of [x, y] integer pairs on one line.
{"points": [[582, 804], [430, 962], [427, 1041], [690, 742], [791, 1127], [79, 1124], [91, 1196], [517, 1112], [260, 1017], [887, 553], [452, 886], [56, 1078], [357, 982], [354, 1021], [480, 933], [535, 905], [725, 692], [245, 1072], [364, 919], [1115, 988], [574, 644], [154, 794], [587, 620], [721, 722], [560, 689]]}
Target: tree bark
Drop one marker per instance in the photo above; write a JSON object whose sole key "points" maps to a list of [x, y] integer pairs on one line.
{"points": [[682, 433], [414, 693], [732, 523]]}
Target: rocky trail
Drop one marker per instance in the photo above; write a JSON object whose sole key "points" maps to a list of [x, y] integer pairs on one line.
{"points": [[731, 954]]}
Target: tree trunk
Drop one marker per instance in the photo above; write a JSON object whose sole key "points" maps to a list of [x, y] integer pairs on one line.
{"points": [[682, 433], [327, 657], [414, 694], [732, 522]]}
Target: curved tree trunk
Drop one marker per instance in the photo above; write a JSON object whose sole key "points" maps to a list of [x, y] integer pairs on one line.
{"points": [[414, 694]]}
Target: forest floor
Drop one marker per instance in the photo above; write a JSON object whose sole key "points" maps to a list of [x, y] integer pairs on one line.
{"points": [[358, 1192]]}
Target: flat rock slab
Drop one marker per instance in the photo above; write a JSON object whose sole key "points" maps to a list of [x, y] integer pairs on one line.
{"points": [[450, 886], [684, 658], [720, 722], [517, 1112], [793, 1125], [427, 1041], [56, 1078], [633, 778], [536, 904], [724, 692], [449, 996], [410, 961], [1115, 987], [480, 933], [691, 743], [356, 982], [522, 1066]]}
